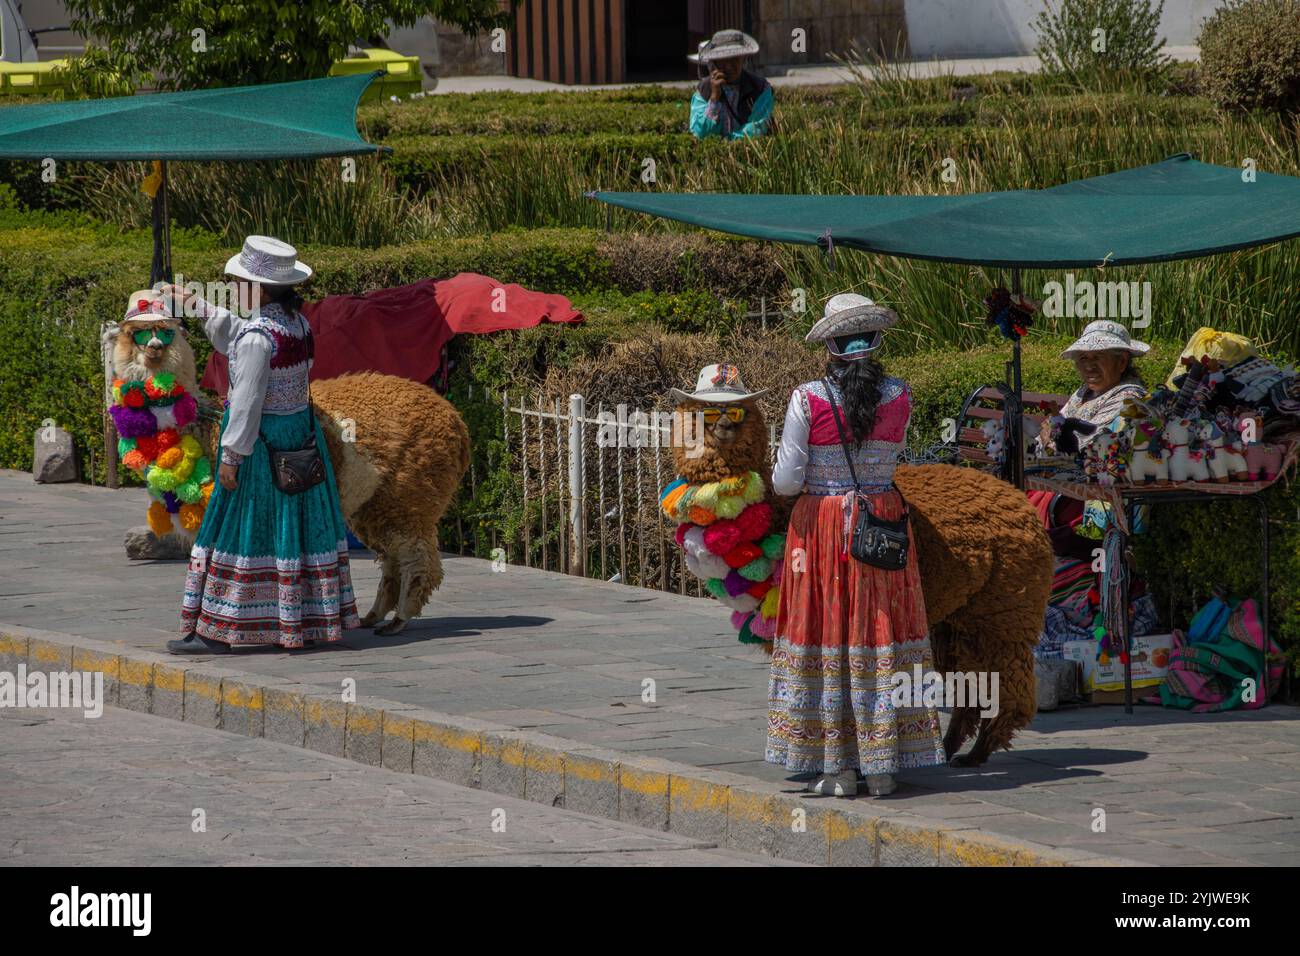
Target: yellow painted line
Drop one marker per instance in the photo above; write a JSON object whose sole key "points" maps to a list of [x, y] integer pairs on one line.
{"points": [[543, 760], [891, 834], [167, 677], [509, 752], [699, 796], [282, 700], [843, 829], [648, 783], [43, 652], [136, 673], [753, 807], [589, 769], [17, 646], [321, 711], [202, 685], [395, 726], [363, 720], [449, 738], [95, 662]]}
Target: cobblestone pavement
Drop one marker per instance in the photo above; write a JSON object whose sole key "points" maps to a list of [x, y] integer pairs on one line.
{"points": [[569, 657], [122, 790]]}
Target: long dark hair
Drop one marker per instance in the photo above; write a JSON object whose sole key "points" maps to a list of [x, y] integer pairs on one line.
{"points": [[285, 296], [859, 383]]}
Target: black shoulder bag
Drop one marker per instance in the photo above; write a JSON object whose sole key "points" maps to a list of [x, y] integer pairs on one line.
{"points": [[299, 469], [875, 541]]}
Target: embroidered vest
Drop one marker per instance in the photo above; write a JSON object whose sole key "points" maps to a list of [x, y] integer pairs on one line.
{"points": [[292, 354], [874, 459]]}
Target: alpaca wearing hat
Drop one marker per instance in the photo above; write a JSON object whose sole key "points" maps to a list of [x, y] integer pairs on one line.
{"points": [[721, 502], [155, 413]]}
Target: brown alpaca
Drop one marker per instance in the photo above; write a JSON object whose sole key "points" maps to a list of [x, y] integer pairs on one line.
{"points": [[399, 450], [984, 560], [986, 571]]}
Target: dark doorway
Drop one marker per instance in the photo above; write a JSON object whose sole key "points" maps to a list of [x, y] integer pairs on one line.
{"points": [[657, 40]]}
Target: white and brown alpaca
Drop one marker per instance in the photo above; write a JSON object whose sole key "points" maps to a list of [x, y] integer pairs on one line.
{"points": [[399, 451], [138, 362]]}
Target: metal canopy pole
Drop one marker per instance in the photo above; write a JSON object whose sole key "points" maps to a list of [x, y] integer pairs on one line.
{"points": [[160, 270], [1012, 417]]}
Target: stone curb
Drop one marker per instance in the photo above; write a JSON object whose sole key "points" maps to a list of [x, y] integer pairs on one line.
{"points": [[729, 810]]}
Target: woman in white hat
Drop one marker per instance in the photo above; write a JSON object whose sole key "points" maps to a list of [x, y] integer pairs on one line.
{"points": [[1103, 356], [731, 102], [844, 627], [270, 562]]}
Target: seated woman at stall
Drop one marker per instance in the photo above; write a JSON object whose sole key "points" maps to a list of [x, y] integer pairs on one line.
{"points": [[731, 101], [1103, 357]]}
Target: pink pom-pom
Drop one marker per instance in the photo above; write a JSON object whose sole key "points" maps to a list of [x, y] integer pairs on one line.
{"points": [[754, 521], [680, 533], [761, 626], [185, 408], [735, 584], [721, 536], [738, 618]]}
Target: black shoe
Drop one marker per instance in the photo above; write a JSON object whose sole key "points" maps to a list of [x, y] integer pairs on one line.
{"points": [[194, 644]]}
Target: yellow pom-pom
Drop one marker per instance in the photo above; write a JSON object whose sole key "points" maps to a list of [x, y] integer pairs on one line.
{"points": [[754, 489], [770, 601], [190, 447], [706, 496], [184, 469], [171, 458], [160, 522], [191, 516], [733, 484]]}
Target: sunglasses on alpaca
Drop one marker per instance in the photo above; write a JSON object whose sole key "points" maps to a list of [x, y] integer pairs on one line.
{"points": [[734, 413], [145, 336]]}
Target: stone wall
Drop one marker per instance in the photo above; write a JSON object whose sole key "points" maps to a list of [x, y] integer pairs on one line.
{"points": [[832, 26]]}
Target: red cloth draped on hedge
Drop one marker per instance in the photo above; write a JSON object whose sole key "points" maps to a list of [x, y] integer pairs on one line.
{"points": [[402, 330]]}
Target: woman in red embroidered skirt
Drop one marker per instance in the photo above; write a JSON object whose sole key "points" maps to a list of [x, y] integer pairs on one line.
{"points": [[845, 628]]}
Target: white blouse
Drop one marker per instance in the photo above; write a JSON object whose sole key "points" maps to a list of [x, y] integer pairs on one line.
{"points": [[792, 454], [250, 365]]}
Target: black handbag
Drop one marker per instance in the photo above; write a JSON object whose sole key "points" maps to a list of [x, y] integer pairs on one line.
{"points": [[876, 541], [295, 471]]}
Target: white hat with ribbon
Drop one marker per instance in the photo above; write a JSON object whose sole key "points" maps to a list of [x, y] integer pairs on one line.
{"points": [[268, 261], [719, 383]]}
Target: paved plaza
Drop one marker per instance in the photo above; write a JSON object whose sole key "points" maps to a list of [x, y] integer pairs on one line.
{"points": [[644, 675]]}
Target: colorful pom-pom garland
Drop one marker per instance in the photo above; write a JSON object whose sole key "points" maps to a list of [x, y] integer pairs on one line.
{"points": [[149, 416], [723, 531]]}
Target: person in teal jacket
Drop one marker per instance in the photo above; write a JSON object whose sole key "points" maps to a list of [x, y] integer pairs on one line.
{"points": [[731, 102]]}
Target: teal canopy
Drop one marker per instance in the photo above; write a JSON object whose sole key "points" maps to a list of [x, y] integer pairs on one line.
{"points": [[1175, 209], [303, 120]]}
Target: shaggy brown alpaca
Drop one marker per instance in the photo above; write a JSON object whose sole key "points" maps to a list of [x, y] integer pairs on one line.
{"points": [[986, 571], [399, 451], [984, 560]]}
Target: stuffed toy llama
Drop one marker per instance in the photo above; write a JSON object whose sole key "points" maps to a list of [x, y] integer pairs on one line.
{"points": [[1148, 460], [154, 409], [985, 563], [1229, 452]]}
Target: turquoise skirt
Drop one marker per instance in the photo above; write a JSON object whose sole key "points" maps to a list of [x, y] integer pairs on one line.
{"points": [[267, 567]]}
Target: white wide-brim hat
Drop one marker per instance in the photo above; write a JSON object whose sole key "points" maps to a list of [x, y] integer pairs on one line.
{"points": [[847, 313], [1105, 336], [268, 261], [719, 383], [724, 45], [147, 307]]}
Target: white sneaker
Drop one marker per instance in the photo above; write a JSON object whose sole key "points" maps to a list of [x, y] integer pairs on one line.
{"points": [[846, 784], [881, 784]]}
